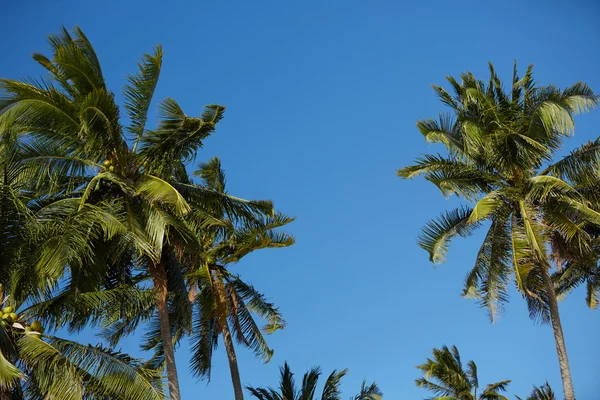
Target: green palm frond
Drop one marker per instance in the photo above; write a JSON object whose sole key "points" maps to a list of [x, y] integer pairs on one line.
{"points": [[139, 91], [577, 163], [309, 385], [331, 389], [492, 391], [9, 373], [437, 234], [178, 136], [76, 60], [108, 373], [103, 307], [286, 382], [444, 131], [489, 278], [257, 303], [154, 189], [287, 387], [445, 377], [368, 392], [212, 175], [543, 392]]}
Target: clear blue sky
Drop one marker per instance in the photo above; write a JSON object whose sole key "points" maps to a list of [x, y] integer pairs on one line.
{"points": [[322, 99]]}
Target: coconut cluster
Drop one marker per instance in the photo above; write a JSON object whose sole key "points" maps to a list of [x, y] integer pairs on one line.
{"points": [[108, 165], [8, 317]]}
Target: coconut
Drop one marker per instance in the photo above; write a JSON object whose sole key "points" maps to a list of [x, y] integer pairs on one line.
{"points": [[14, 316], [8, 310], [36, 326]]}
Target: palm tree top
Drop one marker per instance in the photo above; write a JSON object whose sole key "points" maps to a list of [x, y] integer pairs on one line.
{"points": [[500, 147], [445, 376], [307, 391], [543, 392]]}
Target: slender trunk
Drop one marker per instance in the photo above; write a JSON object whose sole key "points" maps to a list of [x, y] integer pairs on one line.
{"points": [[559, 338], [233, 364], [159, 276]]}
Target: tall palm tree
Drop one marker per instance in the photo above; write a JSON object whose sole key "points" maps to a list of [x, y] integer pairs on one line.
{"points": [[445, 376], [288, 391], [498, 144], [224, 306], [543, 392], [204, 295], [128, 196]]}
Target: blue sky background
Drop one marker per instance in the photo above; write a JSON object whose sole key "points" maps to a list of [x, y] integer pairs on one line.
{"points": [[322, 99]]}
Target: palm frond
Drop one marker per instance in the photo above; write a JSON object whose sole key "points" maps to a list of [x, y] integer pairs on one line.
{"points": [[139, 90], [437, 234], [489, 278]]}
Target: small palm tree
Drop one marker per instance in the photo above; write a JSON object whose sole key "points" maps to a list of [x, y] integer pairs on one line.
{"points": [[498, 144], [543, 392], [445, 377], [368, 392], [331, 390], [288, 391]]}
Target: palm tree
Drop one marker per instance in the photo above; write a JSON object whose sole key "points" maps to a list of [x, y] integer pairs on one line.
{"points": [[35, 365], [129, 197], [578, 261], [368, 392], [203, 293], [287, 386], [207, 300], [543, 392], [223, 304], [497, 146], [445, 377]]}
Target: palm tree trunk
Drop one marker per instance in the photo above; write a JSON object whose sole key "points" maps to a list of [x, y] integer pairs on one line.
{"points": [[233, 364], [5, 393], [559, 339], [159, 276]]}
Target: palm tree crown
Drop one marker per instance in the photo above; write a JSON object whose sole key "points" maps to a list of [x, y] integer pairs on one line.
{"points": [[543, 392], [308, 391], [445, 377]]}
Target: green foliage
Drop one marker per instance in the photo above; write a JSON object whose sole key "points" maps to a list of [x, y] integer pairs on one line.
{"points": [[308, 389], [35, 365], [500, 149], [122, 234], [543, 392], [446, 378]]}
